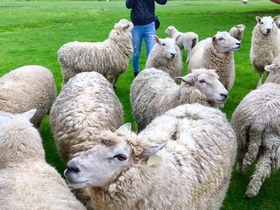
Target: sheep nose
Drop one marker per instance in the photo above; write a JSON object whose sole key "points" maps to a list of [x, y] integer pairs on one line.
{"points": [[71, 169], [268, 30], [225, 95], [172, 55]]}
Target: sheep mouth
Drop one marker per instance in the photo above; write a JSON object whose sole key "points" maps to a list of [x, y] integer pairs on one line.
{"points": [[220, 101], [236, 48], [75, 184]]}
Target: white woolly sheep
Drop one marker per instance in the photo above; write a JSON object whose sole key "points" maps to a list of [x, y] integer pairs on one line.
{"points": [[27, 181], [237, 31], [86, 104], [192, 171], [28, 87], [153, 92], [184, 41], [258, 130], [110, 57], [216, 53], [265, 44], [166, 56]]}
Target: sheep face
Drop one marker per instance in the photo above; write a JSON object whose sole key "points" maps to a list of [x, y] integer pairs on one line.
{"points": [[167, 45], [207, 81], [265, 24], [224, 42], [111, 155]]}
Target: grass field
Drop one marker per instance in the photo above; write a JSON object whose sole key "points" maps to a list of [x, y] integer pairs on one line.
{"points": [[31, 32]]}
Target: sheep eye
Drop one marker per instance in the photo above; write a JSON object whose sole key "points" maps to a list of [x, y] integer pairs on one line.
{"points": [[163, 44], [121, 157], [221, 38], [202, 81]]}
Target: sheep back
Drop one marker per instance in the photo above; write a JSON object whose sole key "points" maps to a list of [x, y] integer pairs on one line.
{"points": [[87, 103], [27, 181], [28, 87]]}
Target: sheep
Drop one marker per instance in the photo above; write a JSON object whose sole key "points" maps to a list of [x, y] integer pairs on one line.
{"points": [[28, 87], [237, 31], [87, 103], [166, 56], [110, 57], [153, 92], [184, 41], [27, 181], [196, 149], [258, 130], [216, 53], [265, 44]]}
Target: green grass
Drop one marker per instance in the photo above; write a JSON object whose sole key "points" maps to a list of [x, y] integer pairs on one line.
{"points": [[31, 32]]}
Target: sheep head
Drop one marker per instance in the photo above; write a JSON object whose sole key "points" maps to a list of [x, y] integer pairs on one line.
{"points": [[171, 31], [208, 83], [224, 42], [19, 140], [113, 153], [265, 24], [167, 46]]}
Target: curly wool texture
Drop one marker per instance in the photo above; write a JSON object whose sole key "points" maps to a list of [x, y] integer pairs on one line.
{"points": [[195, 170], [86, 104], [159, 59], [28, 87], [153, 92], [27, 181], [264, 48], [204, 55], [257, 126], [110, 57]]}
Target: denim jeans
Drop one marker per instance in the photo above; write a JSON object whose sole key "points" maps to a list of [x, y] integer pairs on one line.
{"points": [[138, 34]]}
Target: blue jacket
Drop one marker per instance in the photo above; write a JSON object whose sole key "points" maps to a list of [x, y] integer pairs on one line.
{"points": [[142, 11]]}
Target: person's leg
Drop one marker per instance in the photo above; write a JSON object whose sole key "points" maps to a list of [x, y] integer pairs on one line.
{"points": [[149, 41], [137, 37]]}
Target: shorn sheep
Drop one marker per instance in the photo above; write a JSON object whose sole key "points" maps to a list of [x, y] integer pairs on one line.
{"points": [[257, 126], [166, 56], [237, 31], [216, 53], [265, 44], [186, 40], [196, 149], [28, 87], [110, 57], [86, 104], [153, 92], [27, 181]]}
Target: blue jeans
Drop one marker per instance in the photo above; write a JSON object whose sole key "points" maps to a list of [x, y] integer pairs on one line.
{"points": [[138, 34]]}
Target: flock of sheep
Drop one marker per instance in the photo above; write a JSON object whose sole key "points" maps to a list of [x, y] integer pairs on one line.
{"points": [[184, 150]]}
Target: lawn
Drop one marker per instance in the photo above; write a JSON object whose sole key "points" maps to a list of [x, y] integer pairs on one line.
{"points": [[31, 32]]}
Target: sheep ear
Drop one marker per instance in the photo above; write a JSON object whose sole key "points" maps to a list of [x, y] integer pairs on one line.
{"points": [[156, 39], [29, 114], [269, 67], [148, 151], [258, 19], [125, 27], [125, 127], [187, 79], [275, 19], [214, 38], [177, 38]]}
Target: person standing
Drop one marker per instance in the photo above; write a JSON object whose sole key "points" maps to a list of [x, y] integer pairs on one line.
{"points": [[142, 16]]}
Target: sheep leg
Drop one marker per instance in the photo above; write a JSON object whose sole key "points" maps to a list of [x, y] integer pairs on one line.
{"points": [[263, 169], [253, 147], [260, 80], [187, 47]]}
